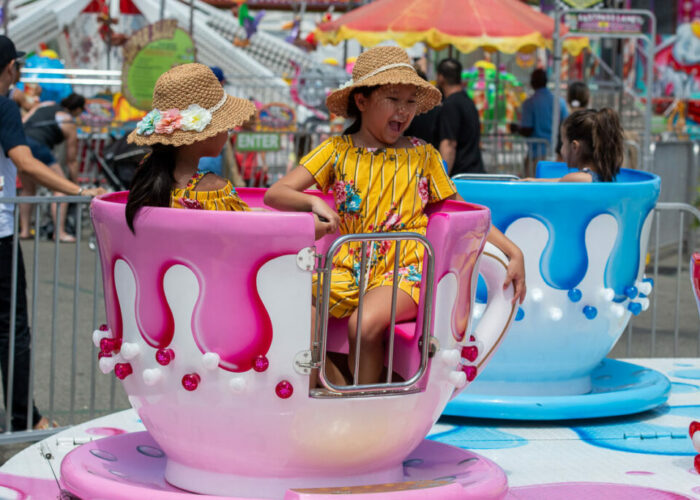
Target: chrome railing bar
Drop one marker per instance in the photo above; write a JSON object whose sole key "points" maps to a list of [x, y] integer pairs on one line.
{"points": [[93, 362], [657, 246], [358, 330], [76, 291], [396, 387], [392, 324], [35, 286], [486, 177], [54, 308], [13, 324], [676, 323]]}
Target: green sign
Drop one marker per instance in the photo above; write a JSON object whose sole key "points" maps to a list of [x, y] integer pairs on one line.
{"points": [[149, 53], [255, 141], [582, 4]]}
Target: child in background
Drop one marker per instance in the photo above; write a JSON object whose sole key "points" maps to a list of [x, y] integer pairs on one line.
{"points": [[382, 182], [190, 119], [592, 142]]}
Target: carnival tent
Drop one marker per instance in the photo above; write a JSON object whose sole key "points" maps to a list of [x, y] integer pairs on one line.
{"points": [[506, 26]]}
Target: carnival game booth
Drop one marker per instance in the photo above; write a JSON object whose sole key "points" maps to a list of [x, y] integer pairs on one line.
{"points": [[585, 249], [209, 329]]}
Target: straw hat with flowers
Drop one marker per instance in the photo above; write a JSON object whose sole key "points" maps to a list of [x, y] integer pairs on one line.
{"points": [[383, 66], [189, 105]]}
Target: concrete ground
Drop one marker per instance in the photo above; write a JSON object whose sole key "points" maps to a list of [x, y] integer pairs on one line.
{"points": [[70, 389]]}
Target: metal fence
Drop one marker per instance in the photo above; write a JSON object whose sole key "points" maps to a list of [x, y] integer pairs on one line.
{"points": [[65, 304]]}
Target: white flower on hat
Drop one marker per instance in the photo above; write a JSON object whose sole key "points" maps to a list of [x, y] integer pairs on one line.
{"points": [[195, 117]]}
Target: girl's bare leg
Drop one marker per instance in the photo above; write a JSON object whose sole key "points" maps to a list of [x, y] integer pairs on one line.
{"points": [[333, 373], [376, 318], [59, 226]]}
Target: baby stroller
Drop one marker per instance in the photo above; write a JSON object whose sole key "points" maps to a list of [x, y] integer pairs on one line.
{"points": [[119, 162]]}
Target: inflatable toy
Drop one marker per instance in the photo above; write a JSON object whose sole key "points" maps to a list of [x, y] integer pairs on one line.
{"points": [[583, 245], [47, 59], [210, 336]]}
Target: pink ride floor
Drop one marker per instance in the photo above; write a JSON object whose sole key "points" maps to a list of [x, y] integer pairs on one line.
{"points": [[132, 466], [647, 456]]}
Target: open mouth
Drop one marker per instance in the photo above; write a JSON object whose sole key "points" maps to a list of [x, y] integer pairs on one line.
{"points": [[395, 126]]}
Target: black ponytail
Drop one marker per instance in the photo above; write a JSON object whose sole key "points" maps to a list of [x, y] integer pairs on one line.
{"points": [[601, 139], [354, 111], [152, 183]]}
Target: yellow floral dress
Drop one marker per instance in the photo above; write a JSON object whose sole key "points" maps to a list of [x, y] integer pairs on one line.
{"points": [[378, 191], [218, 199]]}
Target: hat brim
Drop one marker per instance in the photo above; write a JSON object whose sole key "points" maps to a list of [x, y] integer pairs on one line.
{"points": [[234, 112], [428, 96]]}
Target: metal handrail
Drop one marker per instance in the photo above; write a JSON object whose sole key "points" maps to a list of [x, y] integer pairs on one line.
{"points": [[321, 330], [486, 177]]}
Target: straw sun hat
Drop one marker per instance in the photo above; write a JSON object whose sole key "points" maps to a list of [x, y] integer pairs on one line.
{"points": [[189, 105], [383, 66]]}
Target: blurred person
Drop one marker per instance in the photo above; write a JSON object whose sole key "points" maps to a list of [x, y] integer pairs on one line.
{"points": [[458, 130], [592, 143], [224, 164], [424, 125], [578, 96], [16, 156], [47, 126], [536, 120]]}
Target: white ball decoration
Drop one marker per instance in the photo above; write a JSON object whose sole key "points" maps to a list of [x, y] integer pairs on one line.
{"points": [[555, 314], [458, 379], [107, 364], [130, 350], [210, 360], [536, 294], [607, 294], [152, 376], [237, 384], [617, 310], [644, 287], [450, 357]]}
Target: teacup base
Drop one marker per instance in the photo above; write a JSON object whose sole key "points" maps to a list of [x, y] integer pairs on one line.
{"points": [[617, 388], [128, 466]]}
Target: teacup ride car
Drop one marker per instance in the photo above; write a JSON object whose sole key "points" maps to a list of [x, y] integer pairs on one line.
{"points": [[209, 330], [695, 276], [584, 246]]}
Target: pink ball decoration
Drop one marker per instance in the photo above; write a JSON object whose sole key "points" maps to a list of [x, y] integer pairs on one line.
{"points": [[164, 356], [470, 372], [191, 381], [472, 338], [103, 354], [123, 370], [470, 353], [260, 363], [103, 328], [284, 389]]}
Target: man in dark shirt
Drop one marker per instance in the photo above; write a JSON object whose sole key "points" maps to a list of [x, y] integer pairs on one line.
{"points": [[458, 127], [16, 155], [423, 126]]}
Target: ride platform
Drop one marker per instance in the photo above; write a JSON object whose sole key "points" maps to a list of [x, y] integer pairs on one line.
{"points": [[642, 456]]}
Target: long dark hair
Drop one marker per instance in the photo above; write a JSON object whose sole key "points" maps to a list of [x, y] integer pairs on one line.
{"points": [[354, 111], [73, 101], [600, 136], [152, 182]]}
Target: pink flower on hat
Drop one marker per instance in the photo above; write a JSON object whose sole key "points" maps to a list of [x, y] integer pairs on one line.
{"points": [[169, 122]]}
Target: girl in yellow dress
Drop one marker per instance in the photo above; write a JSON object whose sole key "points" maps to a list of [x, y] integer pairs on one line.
{"points": [[382, 182], [191, 117]]}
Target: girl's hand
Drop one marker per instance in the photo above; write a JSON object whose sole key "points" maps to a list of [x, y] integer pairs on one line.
{"points": [[326, 215], [516, 275], [92, 192], [321, 228]]}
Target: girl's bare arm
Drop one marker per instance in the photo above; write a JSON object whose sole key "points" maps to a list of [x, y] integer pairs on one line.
{"points": [[287, 194]]}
